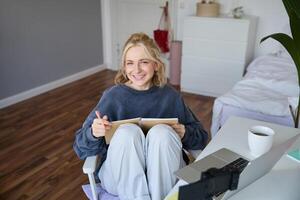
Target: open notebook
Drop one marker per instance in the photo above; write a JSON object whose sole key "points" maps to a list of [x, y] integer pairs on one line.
{"points": [[144, 123]]}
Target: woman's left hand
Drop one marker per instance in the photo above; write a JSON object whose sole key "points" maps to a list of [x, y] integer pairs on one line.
{"points": [[179, 129]]}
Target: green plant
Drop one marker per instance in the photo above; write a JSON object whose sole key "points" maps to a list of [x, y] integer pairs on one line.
{"points": [[291, 44]]}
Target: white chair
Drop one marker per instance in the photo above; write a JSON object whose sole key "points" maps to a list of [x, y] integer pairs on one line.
{"points": [[89, 167]]}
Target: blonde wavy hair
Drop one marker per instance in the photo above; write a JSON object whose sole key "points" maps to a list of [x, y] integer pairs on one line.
{"points": [[153, 53]]}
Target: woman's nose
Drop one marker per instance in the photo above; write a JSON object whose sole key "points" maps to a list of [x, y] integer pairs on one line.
{"points": [[138, 67]]}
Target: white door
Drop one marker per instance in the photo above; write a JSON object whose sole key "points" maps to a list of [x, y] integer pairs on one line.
{"points": [[131, 16]]}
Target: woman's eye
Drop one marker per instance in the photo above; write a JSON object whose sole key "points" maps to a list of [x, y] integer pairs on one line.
{"points": [[145, 62]]}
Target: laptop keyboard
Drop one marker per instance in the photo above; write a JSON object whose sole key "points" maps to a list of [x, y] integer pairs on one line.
{"points": [[238, 164]]}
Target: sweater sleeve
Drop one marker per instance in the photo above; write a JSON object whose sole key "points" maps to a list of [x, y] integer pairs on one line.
{"points": [[195, 136], [85, 143]]}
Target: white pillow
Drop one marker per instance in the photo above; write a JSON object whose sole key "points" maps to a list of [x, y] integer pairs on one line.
{"points": [[282, 51], [274, 47]]}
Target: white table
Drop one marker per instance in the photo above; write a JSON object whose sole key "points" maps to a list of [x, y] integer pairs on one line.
{"points": [[282, 182]]}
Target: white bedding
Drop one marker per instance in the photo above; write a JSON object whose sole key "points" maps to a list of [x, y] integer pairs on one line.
{"points": [[278, 74], [269, 87]]}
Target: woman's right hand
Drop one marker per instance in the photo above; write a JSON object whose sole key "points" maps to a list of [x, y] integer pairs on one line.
{"points": [[100, 125]]}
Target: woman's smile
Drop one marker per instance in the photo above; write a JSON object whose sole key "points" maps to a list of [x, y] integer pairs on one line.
{"points": [[138, 76]]}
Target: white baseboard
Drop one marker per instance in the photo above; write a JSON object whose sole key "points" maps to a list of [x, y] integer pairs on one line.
{"points": [[49, 86]]}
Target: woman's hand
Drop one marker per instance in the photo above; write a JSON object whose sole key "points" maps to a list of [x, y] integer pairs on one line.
{"points": [[100, 125], [179, 129]]}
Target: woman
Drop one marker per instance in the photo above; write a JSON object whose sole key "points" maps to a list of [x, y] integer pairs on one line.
{"points": [[139, 165]]}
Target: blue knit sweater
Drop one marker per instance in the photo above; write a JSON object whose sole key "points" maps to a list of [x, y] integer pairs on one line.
{"points": [[122, 102]]}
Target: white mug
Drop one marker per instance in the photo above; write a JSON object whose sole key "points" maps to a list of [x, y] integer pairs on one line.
{"points": [[260, 140]]}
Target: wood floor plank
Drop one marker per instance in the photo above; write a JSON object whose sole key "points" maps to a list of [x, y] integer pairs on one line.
{"points": [[36, 138]]}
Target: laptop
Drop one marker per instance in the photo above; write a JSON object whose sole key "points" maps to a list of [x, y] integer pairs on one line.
{"points": [[249, 170]]}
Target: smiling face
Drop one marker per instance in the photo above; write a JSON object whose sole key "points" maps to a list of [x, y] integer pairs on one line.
{"points": [[141, 49], [139, 68]]}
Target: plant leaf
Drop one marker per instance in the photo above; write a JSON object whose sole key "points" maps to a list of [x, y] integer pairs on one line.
{"points": [[295, 29], [292, 5], [288, 6]]}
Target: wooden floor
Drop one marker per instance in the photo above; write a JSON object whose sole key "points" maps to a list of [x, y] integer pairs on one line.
{"points": [[36, 137]]}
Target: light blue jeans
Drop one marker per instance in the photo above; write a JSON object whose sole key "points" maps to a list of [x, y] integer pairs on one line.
{"points": [[139, 167]]}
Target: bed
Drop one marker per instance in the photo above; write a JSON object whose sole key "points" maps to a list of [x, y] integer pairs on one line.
{"points": [[268, 92]]}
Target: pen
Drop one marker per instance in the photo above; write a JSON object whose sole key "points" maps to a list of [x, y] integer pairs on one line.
{"points": [[98, 114]]}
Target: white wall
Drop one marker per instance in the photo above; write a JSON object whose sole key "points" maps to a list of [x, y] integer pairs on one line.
{"points": [[271, 13]]}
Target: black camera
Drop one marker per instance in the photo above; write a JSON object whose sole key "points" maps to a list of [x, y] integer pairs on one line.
{"points": [[213, 182]]}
